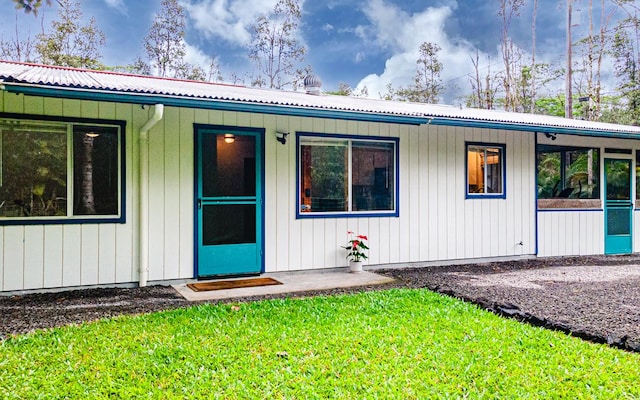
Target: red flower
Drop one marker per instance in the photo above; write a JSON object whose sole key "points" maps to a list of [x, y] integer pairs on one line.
{"points": [[363, 237]]}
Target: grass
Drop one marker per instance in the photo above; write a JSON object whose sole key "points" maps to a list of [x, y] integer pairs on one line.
{"points": [[392, 344]]}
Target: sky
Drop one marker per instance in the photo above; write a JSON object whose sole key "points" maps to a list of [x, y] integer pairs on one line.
{"points": [[359, 42]]}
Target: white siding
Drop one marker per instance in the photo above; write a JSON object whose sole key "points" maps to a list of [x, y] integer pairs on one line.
{"points": [[52, 256], [436, 221], [569, 233]]}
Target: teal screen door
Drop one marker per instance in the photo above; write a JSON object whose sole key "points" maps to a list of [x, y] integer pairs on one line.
{"points": [[618, 207], [229, 202]]}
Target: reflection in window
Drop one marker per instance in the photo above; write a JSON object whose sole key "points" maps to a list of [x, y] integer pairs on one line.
{"points": [[57, 169], [568, 172], [485, 170], [346, 175]]}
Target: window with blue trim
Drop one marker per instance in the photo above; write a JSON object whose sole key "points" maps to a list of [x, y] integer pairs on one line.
{"points": [[346, 175], [485, 170], [55, 170]]}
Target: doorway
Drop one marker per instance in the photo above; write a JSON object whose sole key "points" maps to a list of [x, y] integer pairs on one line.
{"points": [[618, 206], [229, 201]]}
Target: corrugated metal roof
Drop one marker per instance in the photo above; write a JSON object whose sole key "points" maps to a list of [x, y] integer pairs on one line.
{"points": [[59, 77]]}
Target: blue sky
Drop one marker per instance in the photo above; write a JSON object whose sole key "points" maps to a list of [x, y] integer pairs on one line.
{"points": [[359, 42]]}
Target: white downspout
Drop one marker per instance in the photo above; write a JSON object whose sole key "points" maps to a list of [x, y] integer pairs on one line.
{"points": [[143, 197]]}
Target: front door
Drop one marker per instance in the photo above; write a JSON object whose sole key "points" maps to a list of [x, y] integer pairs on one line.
{"points": [[229, 196], [618, 207]]}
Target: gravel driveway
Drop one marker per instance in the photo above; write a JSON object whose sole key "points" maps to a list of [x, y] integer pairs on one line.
{"points": [[596, 298]]}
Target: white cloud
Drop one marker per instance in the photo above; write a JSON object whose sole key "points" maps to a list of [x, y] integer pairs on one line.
{"points": [[117, 4], [327, 27], [229, 20], [395, 30]]}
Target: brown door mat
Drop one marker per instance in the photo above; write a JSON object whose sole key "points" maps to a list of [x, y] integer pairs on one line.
{"points": [[234, 284]]}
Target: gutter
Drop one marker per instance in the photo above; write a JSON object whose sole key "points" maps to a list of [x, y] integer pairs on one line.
{"points": [[143, 196]]}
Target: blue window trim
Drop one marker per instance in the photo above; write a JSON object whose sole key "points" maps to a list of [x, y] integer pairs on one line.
{"points": [[503, 155], [121, 219], [349, 214]]}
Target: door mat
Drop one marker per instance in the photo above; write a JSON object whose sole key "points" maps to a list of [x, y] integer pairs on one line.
{"points": [[234, 284]]}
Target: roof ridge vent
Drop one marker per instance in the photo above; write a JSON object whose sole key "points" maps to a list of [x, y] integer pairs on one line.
{"points": [[312, 84]]}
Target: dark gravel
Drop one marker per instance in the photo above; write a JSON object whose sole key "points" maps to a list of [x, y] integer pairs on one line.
{"points": [[604, 312]]}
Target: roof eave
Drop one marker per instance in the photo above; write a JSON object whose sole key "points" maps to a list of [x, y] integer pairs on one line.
{"points": [[206, 103]]}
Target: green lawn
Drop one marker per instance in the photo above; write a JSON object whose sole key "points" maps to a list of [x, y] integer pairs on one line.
{"points": [[390, 344]]}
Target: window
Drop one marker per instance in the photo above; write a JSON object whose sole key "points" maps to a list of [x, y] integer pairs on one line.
{"points": [[347, 175], [54, 171], [568, 172], [485, 171]]}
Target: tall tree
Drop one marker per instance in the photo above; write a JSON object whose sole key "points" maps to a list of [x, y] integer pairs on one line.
{"points": [[275, 49], [510, 54], [427, 85], [17, 48], [627, 65], [70, 44], [166, 48], [164, 43]]}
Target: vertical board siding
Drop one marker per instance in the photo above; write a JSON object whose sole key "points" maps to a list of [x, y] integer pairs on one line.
{"points": [[570, 233], [436, 221], [52, 256]]}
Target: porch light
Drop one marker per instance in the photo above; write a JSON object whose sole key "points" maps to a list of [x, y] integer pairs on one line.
{"points": [[92, 134], [229, 138]]}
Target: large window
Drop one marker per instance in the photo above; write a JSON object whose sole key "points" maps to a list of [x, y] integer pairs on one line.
{"points": [[485, 171], [59, 171], [568, 172], [347, 175]]}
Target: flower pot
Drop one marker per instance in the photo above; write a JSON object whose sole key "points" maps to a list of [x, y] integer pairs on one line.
{"points": [[355, 266]]}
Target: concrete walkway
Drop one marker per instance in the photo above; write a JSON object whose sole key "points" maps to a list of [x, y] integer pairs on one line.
{"points": [[297, 281]]}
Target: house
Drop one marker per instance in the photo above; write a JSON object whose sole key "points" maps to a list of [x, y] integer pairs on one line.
{"points": [[109, 178]]}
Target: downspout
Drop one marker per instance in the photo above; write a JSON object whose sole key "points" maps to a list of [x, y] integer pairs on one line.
{"points": [[143, 197]]}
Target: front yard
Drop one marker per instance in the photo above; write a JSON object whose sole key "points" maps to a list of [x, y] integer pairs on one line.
{"points": [[390, 344]]}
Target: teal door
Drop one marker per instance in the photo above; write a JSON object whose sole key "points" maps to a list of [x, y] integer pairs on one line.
{"points": [[229, 202], [618, 207]]}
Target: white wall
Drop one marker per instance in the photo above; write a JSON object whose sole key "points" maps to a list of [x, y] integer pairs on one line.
{"points": [[436, 221], [49, 256], [575, 231]]}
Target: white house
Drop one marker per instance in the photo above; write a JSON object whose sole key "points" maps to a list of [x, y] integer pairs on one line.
{"points": [[109, 178]]}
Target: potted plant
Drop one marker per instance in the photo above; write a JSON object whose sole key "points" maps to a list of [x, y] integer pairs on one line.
{"points": [[356, 248]]}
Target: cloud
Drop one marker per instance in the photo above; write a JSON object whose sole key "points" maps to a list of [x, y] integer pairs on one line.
{"points": [[400, 33], [117, 4], [327, 27], [229, 20]]}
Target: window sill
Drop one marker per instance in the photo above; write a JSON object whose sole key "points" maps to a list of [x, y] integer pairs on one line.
{"points": [[546, 204]]}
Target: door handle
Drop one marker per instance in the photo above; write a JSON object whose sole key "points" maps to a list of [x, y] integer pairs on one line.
{"points": [[199, 204]]}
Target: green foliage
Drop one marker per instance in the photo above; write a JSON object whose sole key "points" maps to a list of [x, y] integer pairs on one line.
{"points": [[30, 6], [275, 49], [427, 84], [393, 344], [70, 44]]}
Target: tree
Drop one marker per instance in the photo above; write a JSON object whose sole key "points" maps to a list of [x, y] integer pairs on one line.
{"points": [[17, 48], [166, 49], [510, 55], [484, 88], [627, 65], [70, 44], [344, 89], [164, 42], [30, 6], [274, 49], [427, 85]]}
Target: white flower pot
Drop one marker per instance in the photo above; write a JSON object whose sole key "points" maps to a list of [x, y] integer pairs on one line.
{"points": [[355, 266]]}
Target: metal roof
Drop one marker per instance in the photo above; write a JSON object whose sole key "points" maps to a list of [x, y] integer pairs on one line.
{"points": [[14, 74]]}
